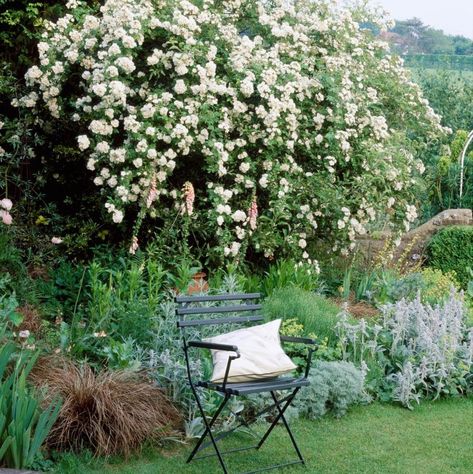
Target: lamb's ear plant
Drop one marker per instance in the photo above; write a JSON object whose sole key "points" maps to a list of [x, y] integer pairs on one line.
{"points": [[335, 386], [420, 351], [24, 425]]}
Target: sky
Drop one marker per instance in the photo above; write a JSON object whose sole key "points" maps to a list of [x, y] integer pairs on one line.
{"points": [[455, 17]]}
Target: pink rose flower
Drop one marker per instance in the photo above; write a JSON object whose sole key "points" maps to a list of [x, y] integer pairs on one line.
{"points": [[6, 217]]}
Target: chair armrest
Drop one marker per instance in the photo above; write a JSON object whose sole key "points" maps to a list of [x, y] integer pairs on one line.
{"points": [[219, 347], [303, 340], [299, 340], [213, 346]]}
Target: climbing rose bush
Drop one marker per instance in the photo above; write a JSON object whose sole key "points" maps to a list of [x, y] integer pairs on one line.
{"points": [[260, 127]]}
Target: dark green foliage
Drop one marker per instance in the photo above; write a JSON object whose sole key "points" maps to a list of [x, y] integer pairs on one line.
{"points": [[451, 249], [449, 94], [10, 258], [444, 177], [60, 292], [20, 28], [41, 169]]}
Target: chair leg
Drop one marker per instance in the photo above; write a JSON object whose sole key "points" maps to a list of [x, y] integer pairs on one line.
{"points": [[277, 404], [208, 430], [286, 424]]}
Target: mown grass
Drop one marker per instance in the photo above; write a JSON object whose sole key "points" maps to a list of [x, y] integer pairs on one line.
{"points": [[437, 437]]}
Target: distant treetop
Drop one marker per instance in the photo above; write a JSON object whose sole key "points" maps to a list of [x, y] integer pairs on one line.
{"points": [[414, 37]]}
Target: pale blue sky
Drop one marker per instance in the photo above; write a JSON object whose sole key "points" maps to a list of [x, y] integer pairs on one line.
{"points": [[453, 16]]}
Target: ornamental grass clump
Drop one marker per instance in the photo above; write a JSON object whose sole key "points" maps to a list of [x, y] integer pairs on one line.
{"points": [[316, 313], [416, 351], [111, 412]]}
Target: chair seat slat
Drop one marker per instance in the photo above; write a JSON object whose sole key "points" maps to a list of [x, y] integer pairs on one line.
{"points": [[224, 297], [247, 388], [207, 322], [218, 309]]}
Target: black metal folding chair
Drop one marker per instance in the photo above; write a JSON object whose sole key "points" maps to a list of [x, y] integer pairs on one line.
{"points": [[243, 313]]}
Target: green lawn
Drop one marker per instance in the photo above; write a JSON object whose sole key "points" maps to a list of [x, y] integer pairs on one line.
{"points": [[435, 438]]}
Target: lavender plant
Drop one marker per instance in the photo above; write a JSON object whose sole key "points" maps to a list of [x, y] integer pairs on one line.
{"points": [[419, 350]]}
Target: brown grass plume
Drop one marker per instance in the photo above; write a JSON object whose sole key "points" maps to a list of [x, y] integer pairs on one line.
{"points": [[111, 412]]}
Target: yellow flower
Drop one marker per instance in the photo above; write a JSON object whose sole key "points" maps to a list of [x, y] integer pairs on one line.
{"points": [[103, 234], [41, 220]]}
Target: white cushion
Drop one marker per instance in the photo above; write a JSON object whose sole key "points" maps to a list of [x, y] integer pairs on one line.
{"points": [[261, 354]]}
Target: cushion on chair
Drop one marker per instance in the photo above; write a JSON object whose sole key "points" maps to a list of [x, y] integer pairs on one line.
{"points": [[261, 354]]}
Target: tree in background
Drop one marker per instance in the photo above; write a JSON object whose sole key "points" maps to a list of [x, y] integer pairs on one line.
{"points": [[423, 39]]}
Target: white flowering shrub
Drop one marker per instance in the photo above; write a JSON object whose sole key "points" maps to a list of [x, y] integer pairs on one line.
{"points": [[417, 350], [257, 126]]}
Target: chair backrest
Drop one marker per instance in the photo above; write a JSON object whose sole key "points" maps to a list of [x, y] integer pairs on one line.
{"points": [[244, 308]]}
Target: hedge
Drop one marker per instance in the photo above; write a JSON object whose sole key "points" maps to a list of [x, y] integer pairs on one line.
{"points": [[439, 61], [452, 249]]}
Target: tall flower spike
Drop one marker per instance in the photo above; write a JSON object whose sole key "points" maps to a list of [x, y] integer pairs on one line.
{"points": [[153, 193], [253, 214], [134, 245], [189, 198]]}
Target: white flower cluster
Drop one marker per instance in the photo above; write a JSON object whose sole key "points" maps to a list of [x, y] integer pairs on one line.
{"points": [[280, 122]]}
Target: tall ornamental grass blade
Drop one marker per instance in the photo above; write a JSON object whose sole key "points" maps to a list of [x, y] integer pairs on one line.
{"points": [[3, 418], [5, 445], [43, 427], [23, 424], [14, 458], [5, 353], [25, 447]]}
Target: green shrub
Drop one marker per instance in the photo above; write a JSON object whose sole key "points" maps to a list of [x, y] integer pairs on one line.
{"points": [[334, 387], [438, 285], [451, 249], [317, 314], [443, 177], [433, 285], [10, 258]]}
